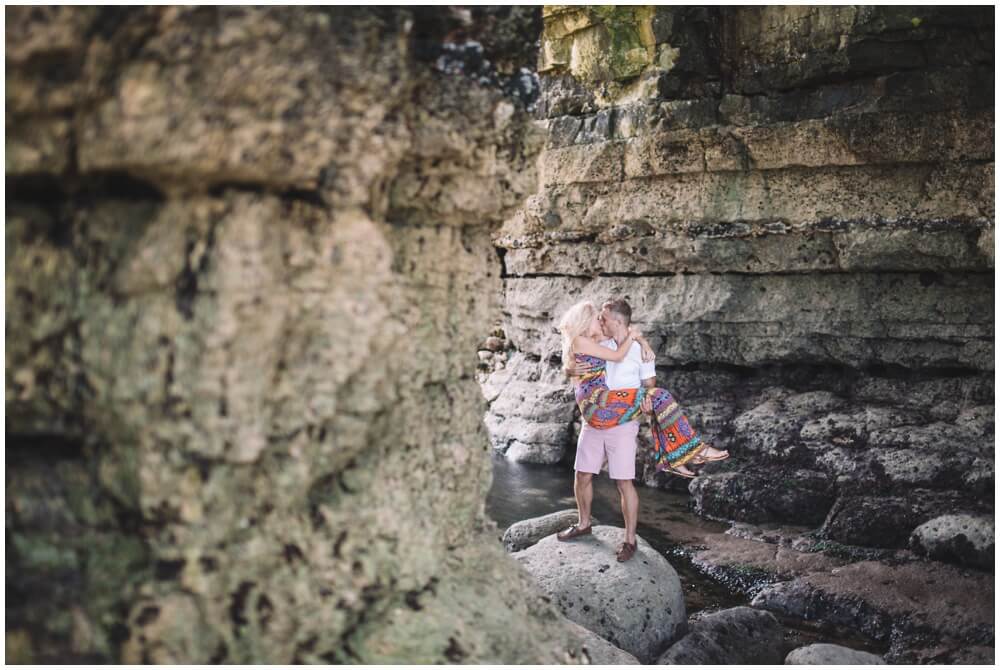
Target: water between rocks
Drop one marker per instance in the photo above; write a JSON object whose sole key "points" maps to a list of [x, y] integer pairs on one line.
{"points": [[522, 491]]}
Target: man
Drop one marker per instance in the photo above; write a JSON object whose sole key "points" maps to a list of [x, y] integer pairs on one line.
{"points": [[618, 444]]}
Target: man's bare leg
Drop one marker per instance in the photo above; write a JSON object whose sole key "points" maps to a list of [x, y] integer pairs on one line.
{"points": [[630, 507], [583, 489]]}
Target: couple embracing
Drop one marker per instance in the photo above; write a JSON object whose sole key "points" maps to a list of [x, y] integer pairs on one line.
{"points": [[614, 378]]}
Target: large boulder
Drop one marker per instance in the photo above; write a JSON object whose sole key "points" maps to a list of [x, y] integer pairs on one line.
{"points": [[831, 654], [637, 605], [966, 539], [523, 534], [599, 650], [740, 635]]}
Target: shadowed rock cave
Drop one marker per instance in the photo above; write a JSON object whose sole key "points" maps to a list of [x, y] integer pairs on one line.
{"points": [[252, 253]]}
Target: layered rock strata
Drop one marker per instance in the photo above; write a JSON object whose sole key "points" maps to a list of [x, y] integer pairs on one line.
{"points": [[248, 266], [798, 202]]}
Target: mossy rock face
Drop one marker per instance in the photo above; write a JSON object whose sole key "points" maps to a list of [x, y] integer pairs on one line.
{"points": [[599, 43], [629, 42]]}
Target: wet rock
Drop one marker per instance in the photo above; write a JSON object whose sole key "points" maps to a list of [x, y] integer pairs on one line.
{"points": [[945, 652], [887, 521], [965, 539], [749, 565], [774, 494], [831, 654], [599, 651], [912, 605], [637, 605], [523, 534], [741, 635]]}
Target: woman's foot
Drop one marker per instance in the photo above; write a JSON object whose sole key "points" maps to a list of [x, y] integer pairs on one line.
{"points": [[683, 471], [710, 454]]}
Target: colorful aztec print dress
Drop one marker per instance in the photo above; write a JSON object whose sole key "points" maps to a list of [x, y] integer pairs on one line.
{"points": [[674, 441]]}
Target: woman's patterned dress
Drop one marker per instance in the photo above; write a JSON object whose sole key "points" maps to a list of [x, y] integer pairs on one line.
{"points": [[674, 441]]}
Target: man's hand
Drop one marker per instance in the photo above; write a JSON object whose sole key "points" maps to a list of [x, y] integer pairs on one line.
{"points": [[647, 404], [647, 351]]}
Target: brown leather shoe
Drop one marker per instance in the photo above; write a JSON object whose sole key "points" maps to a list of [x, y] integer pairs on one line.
{"points": [[626, 551], [573, 531]]}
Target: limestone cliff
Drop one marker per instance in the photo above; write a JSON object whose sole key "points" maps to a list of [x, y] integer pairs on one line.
{"points": [[248, 263], [798, 202]]}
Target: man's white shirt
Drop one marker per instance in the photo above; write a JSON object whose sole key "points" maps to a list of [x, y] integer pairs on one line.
{"points": [[629, 373]]}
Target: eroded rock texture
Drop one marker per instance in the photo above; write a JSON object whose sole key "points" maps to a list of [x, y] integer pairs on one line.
{"points": [[798, 203], [248, 265]]}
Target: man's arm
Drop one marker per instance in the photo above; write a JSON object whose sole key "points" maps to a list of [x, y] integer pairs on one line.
{"points": [[647, 374], [583, 345], [647, 401], [647, 349], [572, 368]]}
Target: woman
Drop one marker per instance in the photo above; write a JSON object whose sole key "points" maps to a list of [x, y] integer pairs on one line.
{"points": [[675, 442]]}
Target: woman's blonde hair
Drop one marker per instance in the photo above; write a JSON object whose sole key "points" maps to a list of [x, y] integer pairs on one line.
{"points": [[575, 322]]}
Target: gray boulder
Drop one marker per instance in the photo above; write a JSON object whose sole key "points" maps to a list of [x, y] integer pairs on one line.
{"points": [[637, 605], [965, 539], [541, 453], [599, 650], [831, 654], [740, 635], [523, 534]]}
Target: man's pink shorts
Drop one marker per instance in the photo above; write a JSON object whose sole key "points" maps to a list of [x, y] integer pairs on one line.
{"points": [[618, 444]]}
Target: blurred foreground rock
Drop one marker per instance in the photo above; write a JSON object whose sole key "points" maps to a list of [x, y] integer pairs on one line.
{"points": [[248, 266]]}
